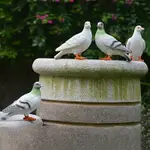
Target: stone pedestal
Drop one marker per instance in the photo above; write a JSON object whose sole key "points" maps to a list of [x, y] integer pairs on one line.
{"points": [[91, 104], [17, 134], [86, 105]]}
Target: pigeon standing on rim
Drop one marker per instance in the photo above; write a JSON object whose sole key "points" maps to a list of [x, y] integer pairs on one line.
{"points": [[76, 44], [109, 45], [136, 44], [25, 104]]}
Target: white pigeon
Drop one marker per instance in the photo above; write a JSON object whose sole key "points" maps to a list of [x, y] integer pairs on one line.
{"points": [[136, 44], [76, 44], [108, 44], [25, 104]]}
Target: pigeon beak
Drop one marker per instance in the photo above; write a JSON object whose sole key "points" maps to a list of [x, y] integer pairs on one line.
{"points": [[42, 85], [142, 28]]}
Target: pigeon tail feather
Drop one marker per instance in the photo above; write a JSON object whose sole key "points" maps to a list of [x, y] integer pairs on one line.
{"points": [[127, 57], [59, 55], [6, 116]]}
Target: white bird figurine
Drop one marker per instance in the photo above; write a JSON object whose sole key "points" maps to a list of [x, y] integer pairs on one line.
{"points": [[108, 44], [25, 104], [77, 44], [136, 44]]}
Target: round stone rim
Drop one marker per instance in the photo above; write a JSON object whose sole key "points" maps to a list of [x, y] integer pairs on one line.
{"points": [[89, 68]]}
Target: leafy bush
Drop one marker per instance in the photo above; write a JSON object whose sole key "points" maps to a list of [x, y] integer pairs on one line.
{"points": [[34, 28]]}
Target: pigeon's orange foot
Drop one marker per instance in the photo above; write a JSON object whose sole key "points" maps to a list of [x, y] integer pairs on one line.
{"points": [[131, 57], [79, 57], [106, 58], [27, 118], [140, 59]]}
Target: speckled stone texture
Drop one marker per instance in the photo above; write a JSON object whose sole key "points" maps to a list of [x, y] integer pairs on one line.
{"points": [[89, 113], [88, 68], [94, 104], [70, 137], [14, 132]]}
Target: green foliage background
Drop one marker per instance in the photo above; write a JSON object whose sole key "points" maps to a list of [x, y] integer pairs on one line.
{"points": [[23, 35], [24, 38]]}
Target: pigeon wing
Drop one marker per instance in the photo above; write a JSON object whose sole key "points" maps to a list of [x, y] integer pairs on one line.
{"points": [[128, 44], [144, 45], [113, 43], [21, 104], [73, 42]]}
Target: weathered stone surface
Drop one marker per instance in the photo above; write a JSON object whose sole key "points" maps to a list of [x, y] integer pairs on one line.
{"points": [[89, 68], [91, 90], [67, 137], [90, 80], [90, 113], [92, 104]]}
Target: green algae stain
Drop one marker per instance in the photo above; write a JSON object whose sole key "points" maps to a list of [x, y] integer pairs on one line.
{"points": [[92, 90], [115, 89], [135, 91], [56, 83], [53, 83], [132, 88], [104, 87], [138, 90], [69, 86], [65, 84], [97, 89], [123, 89], [71, 90], [120, 89]]}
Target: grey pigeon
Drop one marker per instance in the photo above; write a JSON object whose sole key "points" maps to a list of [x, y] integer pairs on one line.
{"points": [[76, 44], [25, 104], [108, 44]]}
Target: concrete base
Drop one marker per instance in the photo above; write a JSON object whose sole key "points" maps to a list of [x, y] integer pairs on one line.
{"points": [[16, 134], [70, 137]]}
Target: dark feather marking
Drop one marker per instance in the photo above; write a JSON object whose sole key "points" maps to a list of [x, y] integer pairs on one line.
{"points": [[9, 113], [117, 45], [20, 106], [113, 43], [127, 57], [26, 103]]}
